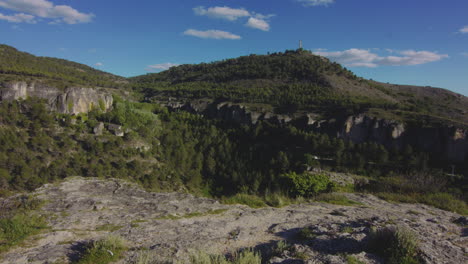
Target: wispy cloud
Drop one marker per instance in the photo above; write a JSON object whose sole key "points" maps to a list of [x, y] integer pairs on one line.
{"points": [[316, 2], [464, 54], [161, 66], [46, 9], [258, 23], [18, 18], [222, 12], [211, 34], [464, 30], [365, 58], [99, 64]]}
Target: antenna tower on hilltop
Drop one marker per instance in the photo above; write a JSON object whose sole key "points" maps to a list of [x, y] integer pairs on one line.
{"points": [[300, 44]]}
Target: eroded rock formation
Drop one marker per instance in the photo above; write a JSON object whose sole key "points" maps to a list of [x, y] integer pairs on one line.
{"points": [[72, 100], [450, 142]]}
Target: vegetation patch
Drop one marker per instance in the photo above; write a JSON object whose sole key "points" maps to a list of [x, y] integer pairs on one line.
{"points": [[243, 257], [245, 199], [107, 250], [346, 229], [14, 230], [280, 200], [306, 233], [308, 184], [444, 201], [353, 260], [397, 245], [18, 221]]}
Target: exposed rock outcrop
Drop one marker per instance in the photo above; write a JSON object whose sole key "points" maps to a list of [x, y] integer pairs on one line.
{"points": [[450, 142], [169, 225], [73, 100]]}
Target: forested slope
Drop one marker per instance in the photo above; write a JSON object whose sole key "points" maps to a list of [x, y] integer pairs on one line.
{"points": [[16, 65], [301, 81]]}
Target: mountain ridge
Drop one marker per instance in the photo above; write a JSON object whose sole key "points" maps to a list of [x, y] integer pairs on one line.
{"points": [[298, 80]]}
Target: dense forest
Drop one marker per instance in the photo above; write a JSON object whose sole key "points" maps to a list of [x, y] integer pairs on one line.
{"points": [[176, 151]]}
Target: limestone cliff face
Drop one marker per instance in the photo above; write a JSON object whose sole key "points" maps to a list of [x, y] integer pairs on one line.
{"points": [[227, 111], [449, 142], [73, 100]]}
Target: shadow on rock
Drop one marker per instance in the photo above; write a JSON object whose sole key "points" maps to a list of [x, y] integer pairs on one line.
{"points": [[77, 250]]}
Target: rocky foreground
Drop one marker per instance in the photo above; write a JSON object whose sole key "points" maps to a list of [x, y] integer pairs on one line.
{"points": [[170, 225]]}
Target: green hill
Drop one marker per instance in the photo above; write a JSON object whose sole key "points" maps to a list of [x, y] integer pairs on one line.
{"points": [[301, 81], [16, 65]]}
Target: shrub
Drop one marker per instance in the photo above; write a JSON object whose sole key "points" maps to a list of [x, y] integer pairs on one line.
{"points": [[280, 247], [277, 200], [308, 184], [397, 245], [104, 251], [306, 233], [244, 257], [246, 199]]}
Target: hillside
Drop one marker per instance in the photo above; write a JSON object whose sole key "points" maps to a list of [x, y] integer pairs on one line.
{"points": [[301, 81], [313, 181], [21, 66]]}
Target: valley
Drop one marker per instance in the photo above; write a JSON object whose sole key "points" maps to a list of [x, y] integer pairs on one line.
{"points": [[287, 157]]}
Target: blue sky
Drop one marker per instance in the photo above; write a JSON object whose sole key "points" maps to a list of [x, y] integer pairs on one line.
{"points": [[421, 42]]}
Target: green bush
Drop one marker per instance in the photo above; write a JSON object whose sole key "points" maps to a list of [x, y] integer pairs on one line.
{"points": [[306, 233], [246, 199], [397, 245], [244, 257], [104, 251], [308, 184]]}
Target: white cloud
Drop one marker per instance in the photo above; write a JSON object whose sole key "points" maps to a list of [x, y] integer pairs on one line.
{"points": [[46, 9], [256, 20], [365, 58], [223, 12], [161, 67], [18, 18], [464, 30], [212, 34], [99, 64], [352, 57], [258, 23], [316, 2]]}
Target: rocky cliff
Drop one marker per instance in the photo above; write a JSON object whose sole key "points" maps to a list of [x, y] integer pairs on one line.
{"points": [[450, 142], [72, 100]]}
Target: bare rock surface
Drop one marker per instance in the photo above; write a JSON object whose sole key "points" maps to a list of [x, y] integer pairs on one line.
{"points": [[170, 225]]}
